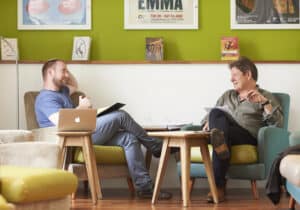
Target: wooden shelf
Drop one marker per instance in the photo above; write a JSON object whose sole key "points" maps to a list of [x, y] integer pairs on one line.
{"points": [[147, 62]]}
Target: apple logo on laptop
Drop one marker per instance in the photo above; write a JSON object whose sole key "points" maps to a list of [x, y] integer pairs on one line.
{"points": [[77, 120]]}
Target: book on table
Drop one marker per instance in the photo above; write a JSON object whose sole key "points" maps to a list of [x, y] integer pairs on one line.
{"points": [[108, 109]]}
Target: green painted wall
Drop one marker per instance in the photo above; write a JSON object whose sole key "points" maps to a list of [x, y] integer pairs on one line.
{"points": [[112, 42]]}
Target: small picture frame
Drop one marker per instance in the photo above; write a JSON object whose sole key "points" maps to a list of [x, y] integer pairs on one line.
{"points": [[154, 49], [81, 48], [9, 49], [230, 48]]}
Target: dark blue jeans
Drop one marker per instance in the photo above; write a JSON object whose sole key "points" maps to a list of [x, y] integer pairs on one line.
{"points": [[234, 135], [118, 128]]}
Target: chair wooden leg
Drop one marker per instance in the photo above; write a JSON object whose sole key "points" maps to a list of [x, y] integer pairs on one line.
{"points": [[191, 184], [292, 203], [254, 189], [73, 196], [130, 186], [86, 185]]}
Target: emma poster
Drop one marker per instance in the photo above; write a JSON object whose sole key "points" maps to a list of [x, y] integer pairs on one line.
{"points": [[54, 14], [265, 14], [161, 14]]}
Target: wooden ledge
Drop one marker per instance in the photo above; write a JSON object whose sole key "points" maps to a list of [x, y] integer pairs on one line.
{"points": [[116, 62]]}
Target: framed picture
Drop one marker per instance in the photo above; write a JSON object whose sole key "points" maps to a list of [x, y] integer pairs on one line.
{"points": [[54, 14], [265, 14], [155, 14], [81, 48], [154, 49], [9, 49]]}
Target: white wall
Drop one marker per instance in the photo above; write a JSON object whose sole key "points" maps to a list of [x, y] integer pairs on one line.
{"points": [[154, 93], [8, 97]]}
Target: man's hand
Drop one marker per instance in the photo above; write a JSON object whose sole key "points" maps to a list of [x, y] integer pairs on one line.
{"points": [[71, 82], [255, 97], [205, 127], [84, 102]]}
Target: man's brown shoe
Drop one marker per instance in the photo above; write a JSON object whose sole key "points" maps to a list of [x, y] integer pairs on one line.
{"points": [[220, 194]]}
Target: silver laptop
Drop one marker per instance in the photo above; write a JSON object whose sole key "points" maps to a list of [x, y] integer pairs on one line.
{"points": [[77, 119]]}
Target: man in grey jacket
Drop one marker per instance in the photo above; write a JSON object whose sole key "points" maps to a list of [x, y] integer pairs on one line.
{"points": [[237, 117]]}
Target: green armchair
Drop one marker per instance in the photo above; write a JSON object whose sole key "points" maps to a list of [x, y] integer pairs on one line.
{"points": [[249, 162]]}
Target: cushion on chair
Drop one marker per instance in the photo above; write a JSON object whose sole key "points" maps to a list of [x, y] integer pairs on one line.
{"points": [[4, 205], [290, 169], [22, 185], [104, 155], [240, 154]]}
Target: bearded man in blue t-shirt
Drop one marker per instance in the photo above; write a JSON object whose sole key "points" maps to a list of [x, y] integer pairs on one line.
{"points": [[116, 128]]}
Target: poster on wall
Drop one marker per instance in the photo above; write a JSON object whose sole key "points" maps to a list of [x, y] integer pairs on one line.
{"points": [[265, 14], [161, 14], [54, 14]]}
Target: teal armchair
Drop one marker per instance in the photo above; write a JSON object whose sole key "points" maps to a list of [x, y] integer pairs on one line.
{"points": [[289, 168], [247, 161]]}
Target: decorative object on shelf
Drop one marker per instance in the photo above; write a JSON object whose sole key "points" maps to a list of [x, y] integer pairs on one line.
{"points": [[9, 49], [230, 48], [161, 14], [54, 15], [265, 14], [81, 48], [154, 49]]}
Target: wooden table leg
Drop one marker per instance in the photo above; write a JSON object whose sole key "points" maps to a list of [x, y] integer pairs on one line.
{"points": [[209, 171], [94, 166], [63, 150], [165, 153], [90, 171], [185, 157]]}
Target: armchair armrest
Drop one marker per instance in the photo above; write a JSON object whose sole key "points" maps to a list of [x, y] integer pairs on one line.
{"points": [[10, 136], [271, 141], [46, 134], [32, 154], [295, 138], [191, 127]]}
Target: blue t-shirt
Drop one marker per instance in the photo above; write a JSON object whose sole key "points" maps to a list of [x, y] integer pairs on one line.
{"points": [[49, 102]]}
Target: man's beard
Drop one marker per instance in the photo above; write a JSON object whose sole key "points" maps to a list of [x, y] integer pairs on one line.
{"points": [[58, 83]]}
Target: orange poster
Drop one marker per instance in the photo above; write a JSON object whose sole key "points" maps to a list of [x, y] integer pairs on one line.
{"points": [[229, 48]]}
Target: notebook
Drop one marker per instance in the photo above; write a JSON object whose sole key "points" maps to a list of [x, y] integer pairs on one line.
{"points": [[77, 119], [108, 109]]}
